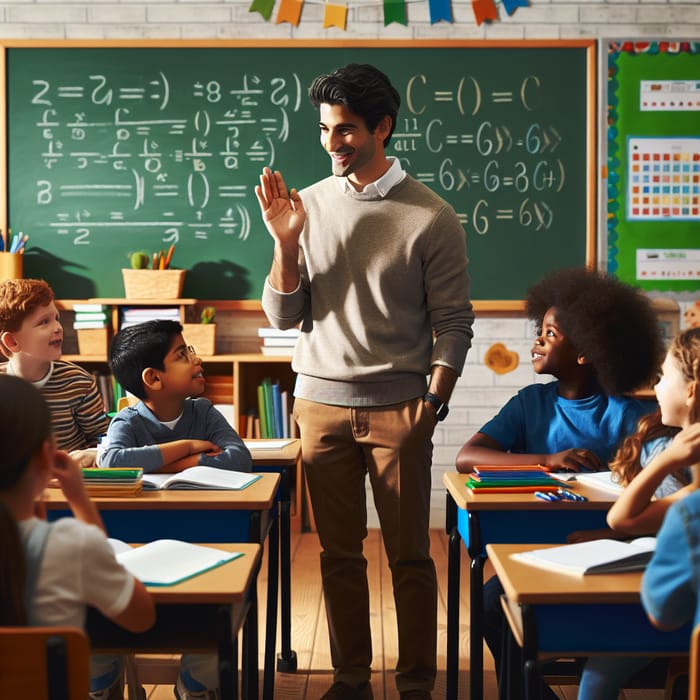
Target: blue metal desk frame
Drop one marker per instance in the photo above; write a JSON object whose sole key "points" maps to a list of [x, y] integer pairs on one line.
{"points": [[211, 525], [582, 627], [483, 520]]}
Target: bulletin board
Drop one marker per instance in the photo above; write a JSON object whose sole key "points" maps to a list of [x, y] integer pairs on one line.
{"points": [[653, 164]]}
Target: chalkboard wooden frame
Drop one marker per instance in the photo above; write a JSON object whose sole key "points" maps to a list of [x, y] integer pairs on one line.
{"points": [[585, 49]]}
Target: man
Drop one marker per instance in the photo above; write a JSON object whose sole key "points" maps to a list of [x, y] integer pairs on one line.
{"points": [[373, 264]]}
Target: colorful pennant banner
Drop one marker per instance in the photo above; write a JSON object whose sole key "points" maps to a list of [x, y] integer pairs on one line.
{"points": [[510, 5], [395, 11], [484, 10], [289, 11], [264, 7], [440, 10], [335, 16]]}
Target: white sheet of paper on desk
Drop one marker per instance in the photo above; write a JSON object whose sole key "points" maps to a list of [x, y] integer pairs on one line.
{"points": [[266, 444], [600, 480], [166, 562]]}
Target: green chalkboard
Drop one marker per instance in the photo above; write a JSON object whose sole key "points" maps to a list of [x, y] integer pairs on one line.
{"points": [[654, 164], [128, 147]]}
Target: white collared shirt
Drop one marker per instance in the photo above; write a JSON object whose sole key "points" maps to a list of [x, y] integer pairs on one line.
{"points": [[379, 188]]}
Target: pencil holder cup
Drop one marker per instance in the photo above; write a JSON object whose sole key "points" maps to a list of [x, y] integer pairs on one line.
{"points": [[10, 266]]}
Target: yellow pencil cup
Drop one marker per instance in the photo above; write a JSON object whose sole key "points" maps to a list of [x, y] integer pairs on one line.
{"points": [[10, 266]]}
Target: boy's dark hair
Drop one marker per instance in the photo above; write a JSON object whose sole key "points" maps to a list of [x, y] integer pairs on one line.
{"points": [[136, 348], [611, 323], [363, 89]]}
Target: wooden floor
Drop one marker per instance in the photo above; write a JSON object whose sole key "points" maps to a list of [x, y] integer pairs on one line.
{"points": [[310, 635]]}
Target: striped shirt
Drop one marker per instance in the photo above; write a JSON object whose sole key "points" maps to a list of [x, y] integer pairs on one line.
{"points": [[77, 410]]}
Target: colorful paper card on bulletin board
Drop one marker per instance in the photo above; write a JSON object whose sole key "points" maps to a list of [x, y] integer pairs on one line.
{"points": [[654, 164]]}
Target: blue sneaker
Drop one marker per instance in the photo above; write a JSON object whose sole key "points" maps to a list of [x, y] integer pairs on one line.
{"points": [[182, 693]]}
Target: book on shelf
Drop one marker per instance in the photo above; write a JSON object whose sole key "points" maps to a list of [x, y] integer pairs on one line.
{"points": [[285, 342], [91, 316], [269, 332], [600, 480], [277, 351], [88, 308], [88, 325], [273, 444], [604, 556], [200, 477], [167, 562], [131, 316]]}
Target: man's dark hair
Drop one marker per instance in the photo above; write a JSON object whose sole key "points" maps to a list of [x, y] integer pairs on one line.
{"points": [[610, 323], [363, 89], [136, 348]]}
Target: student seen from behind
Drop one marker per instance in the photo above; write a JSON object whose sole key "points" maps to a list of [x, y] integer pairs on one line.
{"points": [[31, 338], [599, 338], [37, 585], [663, 477], [172, 427]]}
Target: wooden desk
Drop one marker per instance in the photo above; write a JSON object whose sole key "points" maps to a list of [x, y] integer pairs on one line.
{"points": [[496, 518], [553, 614], [286, 462], [203, 516], [202, 614]]}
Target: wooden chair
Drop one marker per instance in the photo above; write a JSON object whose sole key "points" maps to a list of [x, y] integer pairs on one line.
{"points": [[125, 401], [694, 664], [45, 663]]}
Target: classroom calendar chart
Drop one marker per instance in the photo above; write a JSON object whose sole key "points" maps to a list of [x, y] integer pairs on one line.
{"points": [[653, 159], [121, 149], [663, 179]]}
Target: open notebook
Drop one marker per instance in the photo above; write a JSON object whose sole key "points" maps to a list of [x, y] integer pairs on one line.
{"points": [[200, 478], [166, 562], [594, 557]]}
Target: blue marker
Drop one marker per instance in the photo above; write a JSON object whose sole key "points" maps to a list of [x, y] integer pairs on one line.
{"points": [[569, 496], [546, 496]]}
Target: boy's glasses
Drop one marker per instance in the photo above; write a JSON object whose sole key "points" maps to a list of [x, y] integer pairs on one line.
{"points": [[191, 351]]}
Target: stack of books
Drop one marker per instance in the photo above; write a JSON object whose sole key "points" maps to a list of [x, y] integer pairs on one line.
{"points": [[132, 316], [278, 342], [512, 479], [89, 316], [113, 481]]}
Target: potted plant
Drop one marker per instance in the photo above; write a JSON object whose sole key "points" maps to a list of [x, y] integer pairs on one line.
{"points": [[156, 282]]}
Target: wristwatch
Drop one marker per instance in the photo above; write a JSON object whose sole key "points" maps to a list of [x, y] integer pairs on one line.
{"points": [[441, 409]]}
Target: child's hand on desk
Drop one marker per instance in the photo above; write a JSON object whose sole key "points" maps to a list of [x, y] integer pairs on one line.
{"points": [[575, 459], [69, 476], [84, 458]]}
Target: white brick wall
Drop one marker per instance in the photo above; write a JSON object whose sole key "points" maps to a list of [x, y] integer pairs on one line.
{"points": [[480, 392]]}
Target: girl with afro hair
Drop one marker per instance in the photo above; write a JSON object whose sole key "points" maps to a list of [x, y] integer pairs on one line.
{"points": [[600, 339]]}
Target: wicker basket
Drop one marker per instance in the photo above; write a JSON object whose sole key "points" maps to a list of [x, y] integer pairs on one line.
{"points": [[201, 336], [153, 284], [93, 341]]}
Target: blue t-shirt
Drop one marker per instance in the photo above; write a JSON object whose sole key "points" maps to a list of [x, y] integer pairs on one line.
{"points": [[672, 578], [539, 421]]}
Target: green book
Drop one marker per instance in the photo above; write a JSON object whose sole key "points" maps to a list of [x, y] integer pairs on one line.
{"points": [[112, 473]]}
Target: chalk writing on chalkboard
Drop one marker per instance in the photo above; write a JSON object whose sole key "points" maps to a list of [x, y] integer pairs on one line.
{"points": [[116, 150]]}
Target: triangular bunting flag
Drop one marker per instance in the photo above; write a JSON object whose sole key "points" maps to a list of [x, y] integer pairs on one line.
{"points": [[335, 16], [440, 10], [484, 10], [290, 11], [394, 11], [264, 7], [510, 5]]}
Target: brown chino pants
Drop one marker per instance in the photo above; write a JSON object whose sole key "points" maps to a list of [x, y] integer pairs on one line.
{"points": [[393, 444]]}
